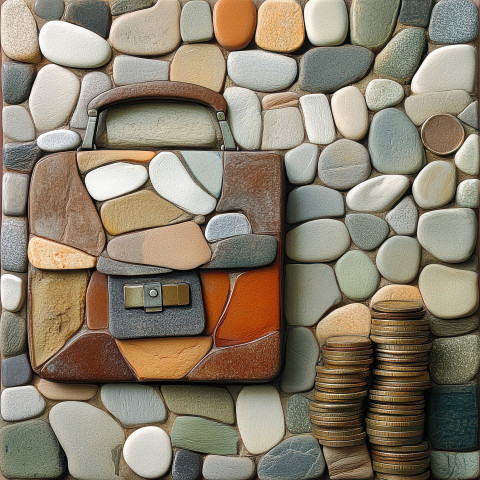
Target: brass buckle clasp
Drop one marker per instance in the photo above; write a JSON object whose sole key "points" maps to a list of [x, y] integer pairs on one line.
{"points": [[154, 296]]}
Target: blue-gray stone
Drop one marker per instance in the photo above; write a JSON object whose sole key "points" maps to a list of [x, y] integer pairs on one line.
{"points": [[171, 322], [415, 12], [16, 371], [453, 417], [367, 231], [21, 156], [314, 201], [455, 465], [243, 251], [298, 415], [470, 115], [49, 9], [13, 334], [187, 465], [296, 458], [14, 245], [17, 81], [91, 14], [394, 143], [326, 69], [453, 21], [108, 266]]}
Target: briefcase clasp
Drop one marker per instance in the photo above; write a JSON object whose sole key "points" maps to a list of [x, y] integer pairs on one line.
{"points": [[154, 296]]}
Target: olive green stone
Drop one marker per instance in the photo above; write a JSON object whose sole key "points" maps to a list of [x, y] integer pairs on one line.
{"points": [[298, 415], [13, 334], [453, 327]]}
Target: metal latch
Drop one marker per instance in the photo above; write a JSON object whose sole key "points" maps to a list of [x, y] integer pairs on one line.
{"points": [[154, 296]]}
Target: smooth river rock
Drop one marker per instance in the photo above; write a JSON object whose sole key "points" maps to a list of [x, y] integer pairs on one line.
{"points": [[326, 22], [398, 259], [403, 218], [435, 185], [367, 231], [301, 164], [350, 112], [318, 119], [467, 158], [383, 93], [59, 140], [455, 465]]}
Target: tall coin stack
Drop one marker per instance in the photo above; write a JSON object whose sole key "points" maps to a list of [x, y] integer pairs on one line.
{"points": [[395, 419], [338, 410]]}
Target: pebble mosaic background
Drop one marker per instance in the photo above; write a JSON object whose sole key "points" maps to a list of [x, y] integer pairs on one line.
{"points": [[372, 105]]}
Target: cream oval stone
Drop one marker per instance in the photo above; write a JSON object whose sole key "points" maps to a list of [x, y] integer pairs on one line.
{"points": [[73, 46], [260, 418], [350, 112], [435, 185], [318, 118], [449, 292], [12, 291], [326, 22]]}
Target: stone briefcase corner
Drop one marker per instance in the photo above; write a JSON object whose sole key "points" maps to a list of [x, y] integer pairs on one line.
{"points": [[169, 261]]}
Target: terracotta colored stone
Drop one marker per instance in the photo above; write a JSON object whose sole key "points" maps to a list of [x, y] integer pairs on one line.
{"points": [[92, 357], [144, 209], [252, 184], [280, 100], [97, 302], [397, 292], [61, 208], [164, 358], [257, 360], [254, 308], [49, 255], [56, 310], [65, 391], [199, 64], [234, 23], [180, 247], [215, 288], [89, 160], [280, 26]]}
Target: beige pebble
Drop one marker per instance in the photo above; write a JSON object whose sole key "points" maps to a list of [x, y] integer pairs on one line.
{"points": [[397, 292], [280, 100], [64, 391], [350, 112]]}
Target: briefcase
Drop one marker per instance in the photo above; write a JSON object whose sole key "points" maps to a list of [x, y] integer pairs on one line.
{"points": [[168, 262]]}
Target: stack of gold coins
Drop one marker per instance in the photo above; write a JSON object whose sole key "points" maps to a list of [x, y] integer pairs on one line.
{"points": [[338, 409], [396, 412]]}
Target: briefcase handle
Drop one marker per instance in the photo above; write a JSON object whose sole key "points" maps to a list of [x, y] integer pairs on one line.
{"points": [[154, 91]]}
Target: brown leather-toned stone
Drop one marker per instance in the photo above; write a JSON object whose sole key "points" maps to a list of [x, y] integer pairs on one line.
{"points": [[60, 207], [97, 302], [280, 100], [91, 159], [257, 361], [65, 391], [253, 184], [92, 356], [443, 134]]}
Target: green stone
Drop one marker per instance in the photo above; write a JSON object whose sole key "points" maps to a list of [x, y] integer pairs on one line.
{"points": [[455, 465], [13, 334], [441, 327], [415, 12], [455, 360], [30, 450], [367, 231], [204, 436], [203, 401], [298, 415], [401, 57]]}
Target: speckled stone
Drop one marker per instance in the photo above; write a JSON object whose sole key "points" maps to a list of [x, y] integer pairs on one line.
{"points": [[367, 231], [415, 12], [14, 245], [227, 225], [59, 140], [17, 123], [397, 292], [297, 415], [300, 359], [303, 283], [435, 185], [15, 194], [470, 115], [357, 276], [455, 465], [453, 327], [20, 156], [17, 81], [120, 7], [467, 158], [196, 22], [453, 417], [301, 164], [326, 69], [313, 201], [217, 467], [187, 465], [113, 267], [453, 21], [398, 259], [394, 143], [403, 218], [468, 193], [344, 164], [16, 371], [91, 14], [21, 403], [401, 57], [383, 93], [13, 334], [282, 129], [297, 457], [49, 9]]}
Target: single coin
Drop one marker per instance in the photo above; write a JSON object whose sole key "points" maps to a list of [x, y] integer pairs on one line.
{"points": [[407, 323], [348, 341], [398, 306], [442, 134], [381, 391], [420, 447], [398, 316], [347, 363], [337, 432], [404, 348], [349, 379], [340, 385], [399, 341], [376, 432], [393, 442], [395, 418], [408, 469], [386, 476], [337, 407], [401, 368], [339, 424], [342, 443], [339, 397], [394, 411], [348, 349], [387, 423], [401, 328], [343, 372], [400, 457], [400, 375], [321, 388], [400, 334], [401, 388], [347, 356], [389, 398]]}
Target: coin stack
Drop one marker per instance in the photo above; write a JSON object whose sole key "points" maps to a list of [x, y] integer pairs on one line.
{"points": [[395, 419], [338, 409]]}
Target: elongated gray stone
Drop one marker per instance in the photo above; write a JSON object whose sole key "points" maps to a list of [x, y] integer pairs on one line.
{"points": [[15, 194], [14, 245], [298, 415], [16, 371], [20, 156], [113, 267], [59, 140], [128, 70], [217, 467], [367, 231], [453, 327], [49, 9], [196, 22], [17, 81], [301, 164], [124, 6]]}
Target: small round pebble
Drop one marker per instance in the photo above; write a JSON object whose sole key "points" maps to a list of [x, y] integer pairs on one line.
{"points": [[148, 452], [398, 259], [468, 193], [383, 93], [367, 231], [59, 140], [298, 414]]}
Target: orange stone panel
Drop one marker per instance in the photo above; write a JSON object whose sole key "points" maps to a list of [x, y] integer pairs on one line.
{"points": [[97, 302], [215, 288], [89, 160]]}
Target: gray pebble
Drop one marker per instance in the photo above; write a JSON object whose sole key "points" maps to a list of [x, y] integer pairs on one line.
{"points": [[367, 231], [124, 6], [218, 467], [13, 334], [59, 140], [127, 70], [404, 217], [227, 225], [298, 415], [16, 371], [17, 123], [196, 22], [468, 193], [415, 12], [21, 156], [453, 327], [187, 465], [14, 245], [15, 194], [17, 81], [470, 115], [49, 9], [113, 267]]}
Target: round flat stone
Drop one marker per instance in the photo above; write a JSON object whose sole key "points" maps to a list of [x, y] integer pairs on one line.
{"points": [[317, 241], [313, 201], [447, 465], [301, 164], [383, 93], [17, 123], [398, 259], [442, 134], [447, 68], [326, 69], [403, 217], [282, 129], [467, 159], [187, 465], [350, 112], [377, 194], [453, 21], [21, 403], [300, 359], [227, 225], [234, 22], [367, 231], [449, 234], [217, 467], [326, 22], [449, 292], [469, 116], [453, 327], [435, 185], [13, 334], [394, 143], [196, 22], [59, 140], [148, 452], [260, 417], [127, 70], [49, 9], [91, 14], [401, 57], [261, 71], [357, 276], [454, 360], [468, 193], [298, 415], [17, 81], [303, 304], [344, 164]]}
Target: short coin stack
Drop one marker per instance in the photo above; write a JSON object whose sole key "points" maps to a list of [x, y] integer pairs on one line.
{"points": [[338, 410], [395, 420]]}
